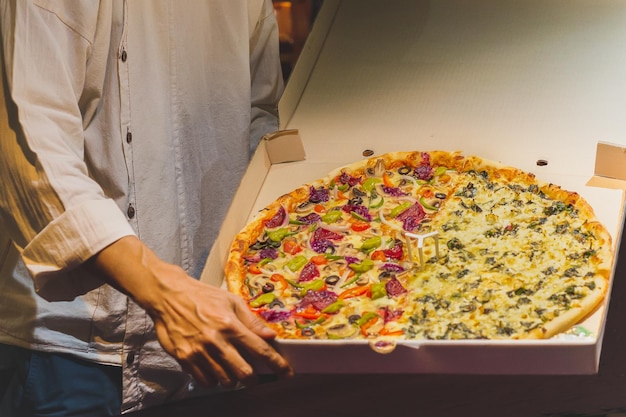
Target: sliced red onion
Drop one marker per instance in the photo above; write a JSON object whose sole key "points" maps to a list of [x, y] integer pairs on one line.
{"points": [[274, 316], [335, 228]]}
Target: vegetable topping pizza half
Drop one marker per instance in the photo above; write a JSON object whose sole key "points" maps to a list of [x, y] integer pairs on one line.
{"points": [[423, 245]]}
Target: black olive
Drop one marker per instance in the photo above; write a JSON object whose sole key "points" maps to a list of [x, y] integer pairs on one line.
{"points": [[330, 249], [268, 287], [307, 331], [332, 279], [353, 318], [303, 205], [384, 275], [404, 170], [440, 196], [258, 245], [276, 303], [358, 193]]}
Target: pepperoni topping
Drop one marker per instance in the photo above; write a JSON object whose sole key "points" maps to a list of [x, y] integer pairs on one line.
{"points": [[390, 315], [395, 252], [411, 217], [309, 272], [278, 219], [325, 234], [318, 299], [394, 287], [322, 239]]}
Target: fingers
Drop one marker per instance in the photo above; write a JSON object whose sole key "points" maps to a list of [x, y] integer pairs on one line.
{"points": [[213, 340], [260, 348], [228, 357], [252, 321], [241, 348]]}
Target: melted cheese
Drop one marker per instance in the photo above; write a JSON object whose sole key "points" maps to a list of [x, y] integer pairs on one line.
{"points": [[510, 260]]}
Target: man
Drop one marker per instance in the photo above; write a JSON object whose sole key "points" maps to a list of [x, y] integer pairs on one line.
{"points": [[125, 128]]}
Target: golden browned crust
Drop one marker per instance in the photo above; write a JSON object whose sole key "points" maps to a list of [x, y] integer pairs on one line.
{"points": [[575, 314]]}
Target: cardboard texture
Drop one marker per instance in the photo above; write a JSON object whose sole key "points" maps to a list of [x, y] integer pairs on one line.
{"points": [[610, 169], [514, 82], [284, 146]]}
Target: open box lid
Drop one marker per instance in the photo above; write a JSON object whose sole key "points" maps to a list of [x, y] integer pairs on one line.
{"points": [[510, 81], [513, 82]]}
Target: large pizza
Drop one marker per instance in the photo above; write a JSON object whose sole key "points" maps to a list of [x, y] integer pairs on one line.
{"points": [[423, 245]]}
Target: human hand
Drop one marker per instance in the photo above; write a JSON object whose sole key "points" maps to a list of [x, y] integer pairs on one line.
{"points": [[208, 330]]}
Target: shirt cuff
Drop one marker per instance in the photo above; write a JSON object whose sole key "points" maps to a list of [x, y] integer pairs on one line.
{"points": [[72, 238]]}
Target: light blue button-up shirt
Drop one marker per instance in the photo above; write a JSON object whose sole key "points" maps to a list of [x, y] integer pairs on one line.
{"points": [[120, 118]]}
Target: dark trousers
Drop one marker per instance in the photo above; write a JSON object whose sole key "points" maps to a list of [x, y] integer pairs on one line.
{"points": [[40, 384]]}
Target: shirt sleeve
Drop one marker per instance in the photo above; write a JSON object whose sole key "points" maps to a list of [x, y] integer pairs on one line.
{"points": [[266, 75], [49, 206]]}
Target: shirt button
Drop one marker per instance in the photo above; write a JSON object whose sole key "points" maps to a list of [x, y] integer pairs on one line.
{"points": [[130, 211], [129, 137], [130, 358], [124, 55]]}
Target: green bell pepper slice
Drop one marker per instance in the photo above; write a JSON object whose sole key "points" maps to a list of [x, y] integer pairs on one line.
{"points": [[378, 290], [366, 317], [363, 266], [427, 206], [331, 217], [439, 171], [370, 183], [314, 285], [334, 307], [278, 234], [297, 263], [399, 209], [371, 244], [376, 200], [263, 299]]}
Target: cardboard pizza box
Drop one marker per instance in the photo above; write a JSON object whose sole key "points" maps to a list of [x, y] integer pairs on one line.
{"points": [[534, 84]]}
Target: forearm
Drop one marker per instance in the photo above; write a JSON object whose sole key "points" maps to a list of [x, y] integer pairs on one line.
{"points": [[132, 268]]}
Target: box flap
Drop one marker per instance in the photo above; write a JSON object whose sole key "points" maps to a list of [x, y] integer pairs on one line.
{"points": [[610, 168], [284, 146]]}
